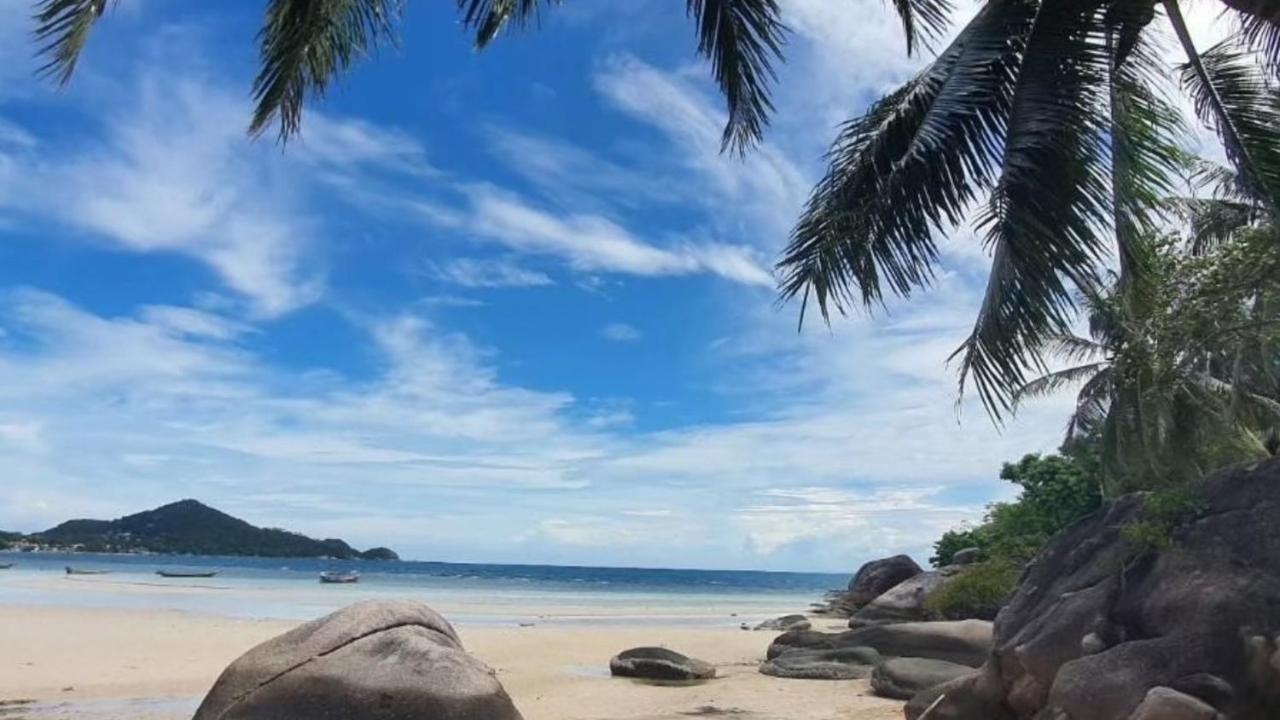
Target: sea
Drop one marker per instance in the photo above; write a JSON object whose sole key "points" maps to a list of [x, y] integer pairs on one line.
{"points": [[482, 594]]}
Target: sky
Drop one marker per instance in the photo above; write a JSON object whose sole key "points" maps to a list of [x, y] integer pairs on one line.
{"points": [[510, 306]]}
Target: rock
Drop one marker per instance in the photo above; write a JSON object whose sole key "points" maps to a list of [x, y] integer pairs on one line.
{"points": [[877, 576], [965, 642], [372, 660], [1162, 703], [925, 699], [655, 663], [967, 556], [1202, 615], [903, 677], [785, 623], [1092, 644], [904, 602], [840, 664], [381, 554]]}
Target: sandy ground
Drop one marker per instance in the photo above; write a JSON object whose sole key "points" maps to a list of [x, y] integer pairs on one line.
{"points": [[106, 664]]}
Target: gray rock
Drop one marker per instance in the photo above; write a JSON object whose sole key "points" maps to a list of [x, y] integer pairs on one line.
{"points": [[967, 556], [376, 660], [1162, 703], [877, 576], [1092, 644], [785, 623], [925, 699], [840, 664], [904, 602], [1209, 606], [966, 642], [655, 663], [903, 677]]}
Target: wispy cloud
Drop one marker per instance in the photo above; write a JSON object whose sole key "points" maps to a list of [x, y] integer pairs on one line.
{"points": [[487, 273], [620, 332]]}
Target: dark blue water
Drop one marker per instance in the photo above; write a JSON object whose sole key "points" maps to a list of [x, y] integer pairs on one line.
{"points": [[475, 575]]}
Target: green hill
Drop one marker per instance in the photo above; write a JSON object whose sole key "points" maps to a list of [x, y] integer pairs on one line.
{"points": [[192, 528]]}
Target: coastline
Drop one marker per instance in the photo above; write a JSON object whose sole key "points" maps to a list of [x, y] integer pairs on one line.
{"points": [[110, 647]]}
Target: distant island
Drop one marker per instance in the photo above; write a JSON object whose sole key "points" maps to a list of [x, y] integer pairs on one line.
{"points": [[186, 527]]}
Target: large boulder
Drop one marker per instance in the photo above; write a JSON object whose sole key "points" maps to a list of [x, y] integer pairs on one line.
{"points": [[877, 576], [904, 602], [929, 698], [902, 678], [655, 663], [850, 663], [1097, 623], [966, 642], [786, 623], [376, 660]]}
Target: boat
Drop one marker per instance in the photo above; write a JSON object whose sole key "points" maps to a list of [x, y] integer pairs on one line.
{"points": [[186, 574], [5, 566], [339, 577], [80, 571]]}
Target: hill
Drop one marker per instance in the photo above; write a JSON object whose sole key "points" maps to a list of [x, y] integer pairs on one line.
{"points": [[190, 527]]}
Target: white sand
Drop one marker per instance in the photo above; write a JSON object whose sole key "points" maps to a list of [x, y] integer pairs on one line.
{"points": [[83, 662]]}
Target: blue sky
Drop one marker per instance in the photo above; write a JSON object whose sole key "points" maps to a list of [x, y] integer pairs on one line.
{"points": [[510, 306]]}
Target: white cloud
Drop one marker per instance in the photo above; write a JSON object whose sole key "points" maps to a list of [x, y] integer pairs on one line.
{"points": [[620, 332], [488, 273]]}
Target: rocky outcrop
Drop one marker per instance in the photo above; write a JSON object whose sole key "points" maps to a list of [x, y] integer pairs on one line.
{"points": [[850, 663], [878, 576], [902, 678], [1098, 626], [966, 642], [785, 623], [655, 663], [967, 556], [376, 659], [904, 602]]}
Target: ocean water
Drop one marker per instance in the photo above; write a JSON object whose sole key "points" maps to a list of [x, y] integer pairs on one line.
{"points": [[466, 593]]}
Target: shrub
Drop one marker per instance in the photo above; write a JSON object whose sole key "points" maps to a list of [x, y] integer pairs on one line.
{"points": [[1163, 512], [979, 591]]}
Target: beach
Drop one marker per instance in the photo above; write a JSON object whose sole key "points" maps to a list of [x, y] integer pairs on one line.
{"points": [[117, 647]]}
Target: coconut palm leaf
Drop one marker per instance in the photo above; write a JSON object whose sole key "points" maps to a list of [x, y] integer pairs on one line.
{"points": [[304, 44], [923, 20], [1053, 382], [1044, 213], [1231, 96], [1262, 35], [489, 17], [62, 29], [741, 39], [909, 167], [1093, 402]]}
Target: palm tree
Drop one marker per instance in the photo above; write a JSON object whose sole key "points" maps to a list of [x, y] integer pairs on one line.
{"points": [[1042, 120], [1178, 373]]}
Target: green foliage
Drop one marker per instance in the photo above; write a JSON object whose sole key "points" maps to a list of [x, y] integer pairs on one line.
{"points": [[1057, 490], [1163, 512], [953, 541], [979, 591]]}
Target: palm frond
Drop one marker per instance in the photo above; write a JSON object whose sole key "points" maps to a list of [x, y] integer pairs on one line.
{"points": [[1232, 97], [1093, 404], [489, 17], [1213, 223], [1262, 35], [1147, 135], [304, 44], [1126, 20], [1053, 382], [923, 21], [62, 30], [741, 39], [1045, 213], [1073, 348], [911, 166]]}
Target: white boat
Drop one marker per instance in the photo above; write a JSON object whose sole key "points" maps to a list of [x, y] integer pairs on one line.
{"points": [[340, 577]]}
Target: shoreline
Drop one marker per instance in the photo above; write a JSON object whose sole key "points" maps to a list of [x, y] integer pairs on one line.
{"points": [[98, 663]]}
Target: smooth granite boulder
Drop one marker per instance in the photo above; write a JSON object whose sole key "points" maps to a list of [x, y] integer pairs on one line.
{"points": [[965, 642], [852, 663], [375, 660], [1096, 623], [786, 623], [1162, 703], [930, 697], [655, 663], [877, 576], [904, 677], [904, 602], [967, 556]]}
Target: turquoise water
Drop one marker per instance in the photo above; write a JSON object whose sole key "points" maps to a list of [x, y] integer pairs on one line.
{"points": [[468, 593]]}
